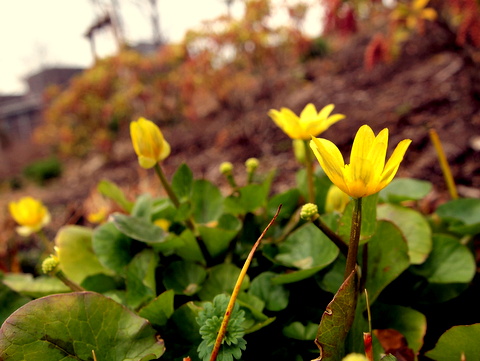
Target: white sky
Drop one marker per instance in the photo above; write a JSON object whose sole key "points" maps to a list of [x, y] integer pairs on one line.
{"points": [[37, 33]]}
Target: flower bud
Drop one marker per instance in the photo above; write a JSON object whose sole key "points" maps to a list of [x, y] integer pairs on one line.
{"points": [[308, 211], [226, 168], [355, 357], [148, 142], [50, 264], [336, 200], [251, 164], [299, 150]]}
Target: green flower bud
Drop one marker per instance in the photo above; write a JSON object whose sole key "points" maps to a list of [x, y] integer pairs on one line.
{"points": [[226, 168], [50, 264], [309, 211], [251, 164]]}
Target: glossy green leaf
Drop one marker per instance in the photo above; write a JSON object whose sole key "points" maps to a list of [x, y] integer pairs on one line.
{"points": [[185, 320], [449, 262], [337, 320], [414, 228], [189, 250], [111, 190], [10, 300], [221, 279], [387, 258], [26, 285], [458, 341], [138, 228], [140, 278], [275, 296], [409, 322], [369, 219], [143, 207], [254, 318], [207, 202], [70, 326], [75, 253], [182, 182], [462, 214], [112, 247], [184, 277], [217, 239], [159, 310], [101, 283], [299, 331], [289, 201], [306, 248], [405, 189]]}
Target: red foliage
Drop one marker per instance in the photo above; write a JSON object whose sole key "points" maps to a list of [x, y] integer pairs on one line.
{"points": [[376, 52]]}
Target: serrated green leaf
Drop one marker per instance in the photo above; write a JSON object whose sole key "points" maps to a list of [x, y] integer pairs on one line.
{"points": [[112, 247], [138, 228], [414, 228], [75, 253], [159, 310], [72, 325], [182, 182], [458, 341], [184, 277], [111, 190]]}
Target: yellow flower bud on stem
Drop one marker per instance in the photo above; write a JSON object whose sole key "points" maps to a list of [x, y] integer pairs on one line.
{"points": [[251, 164], [51, 266], [226, 168]]}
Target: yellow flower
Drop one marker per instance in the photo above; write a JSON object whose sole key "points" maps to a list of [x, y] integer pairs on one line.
{"points": [[148, 142], [367, 172], [163, 223], [310, 123], [30, 214]]}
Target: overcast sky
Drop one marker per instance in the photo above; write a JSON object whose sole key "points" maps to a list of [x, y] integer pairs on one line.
{"points": [[35, 33]]}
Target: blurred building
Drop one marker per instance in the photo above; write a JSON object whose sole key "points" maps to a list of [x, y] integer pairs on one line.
{"points": [[20, 114]]}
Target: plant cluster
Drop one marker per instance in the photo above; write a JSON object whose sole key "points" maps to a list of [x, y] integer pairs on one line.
{"points": [[180, 276]]}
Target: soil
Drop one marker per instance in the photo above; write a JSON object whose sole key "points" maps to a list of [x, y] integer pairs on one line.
{"points": [[433, 84]]}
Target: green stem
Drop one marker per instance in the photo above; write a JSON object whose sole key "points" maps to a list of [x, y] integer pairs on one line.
{"points": [[46, 242], [354, 237], [309, 169], [332, 235], [68, 282], [166, 185]]}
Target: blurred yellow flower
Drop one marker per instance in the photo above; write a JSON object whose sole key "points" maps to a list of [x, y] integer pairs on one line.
{"points": [[148, 142], [336, 200], [414, 13], [163, 224], [310, 123], [30, 214], [367, 172], [100, 216]]}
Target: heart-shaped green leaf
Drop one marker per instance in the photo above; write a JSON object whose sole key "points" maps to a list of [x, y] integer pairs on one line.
{"points": [[72, 325]]}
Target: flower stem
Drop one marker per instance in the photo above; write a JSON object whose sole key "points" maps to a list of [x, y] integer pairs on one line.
{"points": [[236, 290], [309, 169], [68, 282], [332, 235], [354, 237], [166, 185], [46, 242], [442, 159]]}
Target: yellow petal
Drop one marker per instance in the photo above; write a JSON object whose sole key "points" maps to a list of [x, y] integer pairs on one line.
{"points": [[325, 112], [419, 4], [331, 160], [393, 163], [429, 14], [308, 113]]}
